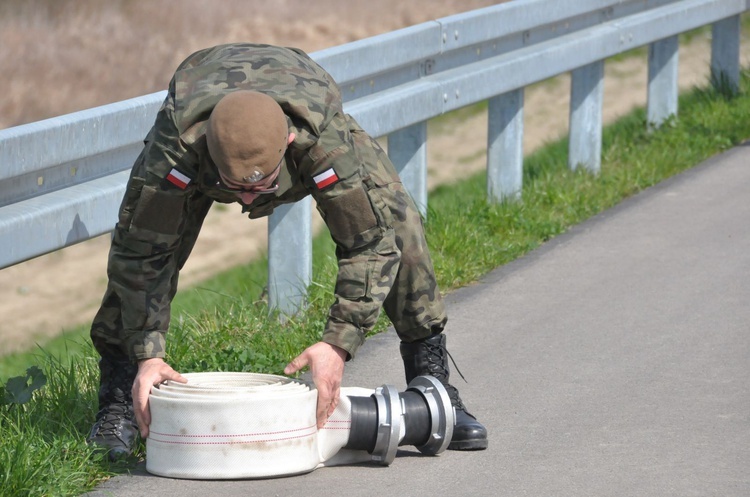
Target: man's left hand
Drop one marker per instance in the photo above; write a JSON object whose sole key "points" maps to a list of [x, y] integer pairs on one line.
{"points": [[326, 363]]}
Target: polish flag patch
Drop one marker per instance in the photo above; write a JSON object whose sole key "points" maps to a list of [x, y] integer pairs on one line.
{"points": [[178, 179], [326, 178]]}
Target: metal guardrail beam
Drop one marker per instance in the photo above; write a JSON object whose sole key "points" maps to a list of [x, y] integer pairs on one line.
{"points": [[36, 148], [456, 40], [62, 179], [452, 89], [60, 218]]}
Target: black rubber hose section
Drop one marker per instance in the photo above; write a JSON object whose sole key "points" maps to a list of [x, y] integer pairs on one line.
{"points": [[364, 430], [417, 419]]}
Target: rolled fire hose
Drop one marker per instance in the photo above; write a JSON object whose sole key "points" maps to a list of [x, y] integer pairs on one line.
{"points": [[248, 425]]}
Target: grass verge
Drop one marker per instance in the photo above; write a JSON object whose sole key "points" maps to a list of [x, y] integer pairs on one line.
{"points": [[222, 325]]}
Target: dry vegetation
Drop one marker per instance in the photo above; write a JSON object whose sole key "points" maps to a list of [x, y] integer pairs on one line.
{"points": [[59, 56]]}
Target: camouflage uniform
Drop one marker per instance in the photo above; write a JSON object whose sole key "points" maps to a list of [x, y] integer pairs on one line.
{"points": [[380, 245]]}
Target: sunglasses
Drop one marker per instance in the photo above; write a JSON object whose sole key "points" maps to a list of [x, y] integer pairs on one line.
{"points": [[258, 190], [223, 187]]}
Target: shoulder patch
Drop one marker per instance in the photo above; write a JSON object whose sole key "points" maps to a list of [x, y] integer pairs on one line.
{"points": [[326, 178], [178, 179]]}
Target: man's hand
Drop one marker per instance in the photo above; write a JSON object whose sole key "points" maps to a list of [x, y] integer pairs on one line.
{"points": [[326, 363], [150, 372]]}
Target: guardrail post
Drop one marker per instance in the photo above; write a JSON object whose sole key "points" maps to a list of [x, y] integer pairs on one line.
{"points": [[407, 149], [663, 65], [505, 146], [725, 55], [289, 256], [586, 95]]}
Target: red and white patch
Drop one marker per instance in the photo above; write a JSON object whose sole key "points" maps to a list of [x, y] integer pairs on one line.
{"points": [[326, 178], [178, 179]]}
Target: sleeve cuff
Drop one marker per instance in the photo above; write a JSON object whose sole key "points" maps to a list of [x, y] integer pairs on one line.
{"points": [[146, 345], [343, 335]]}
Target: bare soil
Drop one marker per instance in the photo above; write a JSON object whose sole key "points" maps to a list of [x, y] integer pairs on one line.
{"points": [[83, 54]]}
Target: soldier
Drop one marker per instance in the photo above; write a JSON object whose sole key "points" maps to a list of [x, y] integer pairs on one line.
{"points": [[263, 125]]}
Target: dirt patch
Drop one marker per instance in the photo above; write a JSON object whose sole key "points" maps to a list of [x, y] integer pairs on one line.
{"points": [[41, 297]]}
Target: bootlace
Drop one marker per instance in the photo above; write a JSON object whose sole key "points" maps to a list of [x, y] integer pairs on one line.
{"points": [[111, 421], [436, 364], [436, 361]]}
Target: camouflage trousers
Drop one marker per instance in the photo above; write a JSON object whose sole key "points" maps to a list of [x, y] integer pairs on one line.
{"points": [[386, 267], [395, 274]]}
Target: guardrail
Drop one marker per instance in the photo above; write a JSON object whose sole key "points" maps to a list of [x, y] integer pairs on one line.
{"points": [[62, 179]]}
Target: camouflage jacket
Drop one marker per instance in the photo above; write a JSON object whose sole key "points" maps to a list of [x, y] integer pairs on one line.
{"points": [[324, 160]]}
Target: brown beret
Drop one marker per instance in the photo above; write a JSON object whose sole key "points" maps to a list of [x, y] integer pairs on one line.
{"points": [[247, 135]]}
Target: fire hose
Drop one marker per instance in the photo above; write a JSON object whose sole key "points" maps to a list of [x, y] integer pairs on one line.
{"points": [[249, 425]]}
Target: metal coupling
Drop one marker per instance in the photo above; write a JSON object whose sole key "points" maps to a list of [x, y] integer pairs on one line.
{"points": [[422, 416]]}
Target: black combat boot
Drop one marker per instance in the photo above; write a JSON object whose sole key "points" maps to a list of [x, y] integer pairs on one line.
{"points": [[115, 429], [430, 357]]}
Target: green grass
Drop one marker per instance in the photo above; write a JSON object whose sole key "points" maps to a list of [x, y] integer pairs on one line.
{"points": [[43, 450], [67, 344], [555, 198], [223, 325]]}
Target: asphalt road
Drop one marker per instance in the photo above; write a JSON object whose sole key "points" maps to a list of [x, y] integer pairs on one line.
{"points": [[612, 361]]}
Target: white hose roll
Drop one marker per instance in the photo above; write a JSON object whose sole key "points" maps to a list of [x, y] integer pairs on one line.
{"points": [[233, 425], [335, 434]]}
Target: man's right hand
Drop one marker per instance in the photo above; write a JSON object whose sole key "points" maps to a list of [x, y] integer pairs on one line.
{"points": [[326, 363], [150, 372]]}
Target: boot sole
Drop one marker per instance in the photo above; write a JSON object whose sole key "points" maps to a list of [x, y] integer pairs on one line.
{"points": [[469, 444]]}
